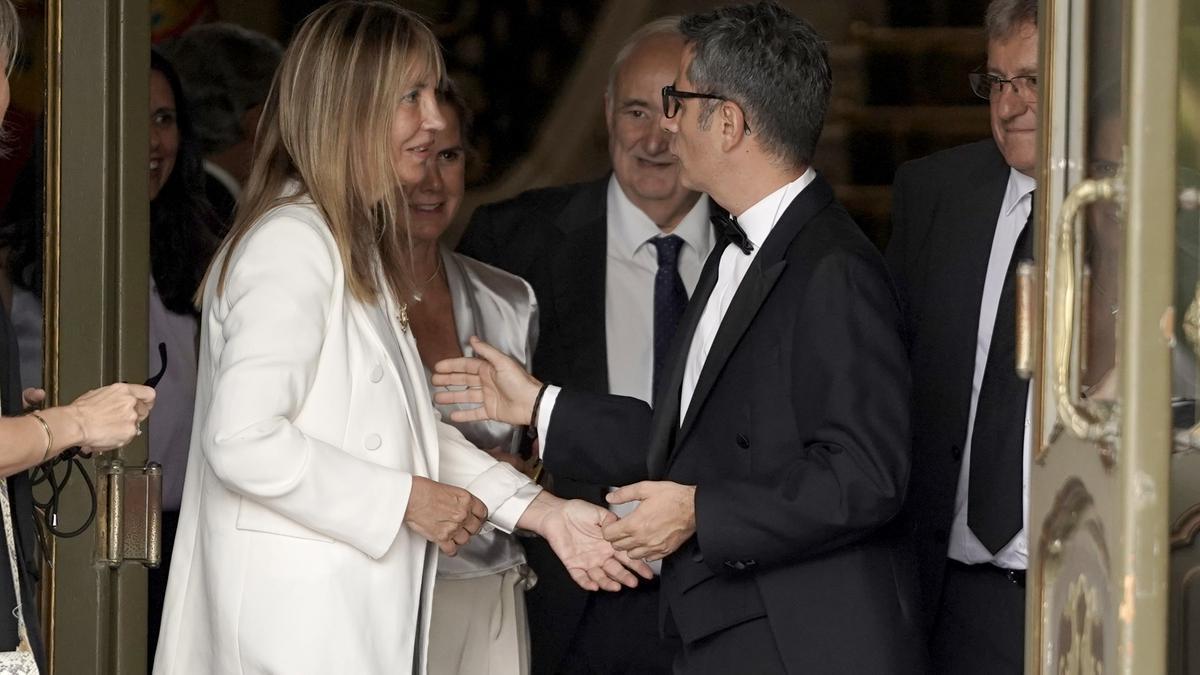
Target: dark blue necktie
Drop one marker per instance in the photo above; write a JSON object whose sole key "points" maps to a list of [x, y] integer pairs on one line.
{"points": [[670, 299]]}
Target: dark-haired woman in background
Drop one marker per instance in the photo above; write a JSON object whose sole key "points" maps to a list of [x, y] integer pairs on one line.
{"points": [[478, 624], [183, 238]]}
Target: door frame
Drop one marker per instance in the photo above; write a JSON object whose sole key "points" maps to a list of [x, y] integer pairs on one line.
{"points": [[96, 281]]}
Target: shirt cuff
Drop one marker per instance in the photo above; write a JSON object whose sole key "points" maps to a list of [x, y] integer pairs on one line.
{"points": [[544, 411], [506, 493], [505, 518]]}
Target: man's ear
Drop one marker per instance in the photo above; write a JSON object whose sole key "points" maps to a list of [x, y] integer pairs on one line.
{"points": [[733, 125]]}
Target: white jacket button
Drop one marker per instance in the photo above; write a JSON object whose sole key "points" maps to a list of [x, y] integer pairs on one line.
{"points": [[372, 442], [377, 373]]}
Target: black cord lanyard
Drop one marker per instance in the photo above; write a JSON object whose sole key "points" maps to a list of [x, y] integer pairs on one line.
{"points": [[71, 459]]}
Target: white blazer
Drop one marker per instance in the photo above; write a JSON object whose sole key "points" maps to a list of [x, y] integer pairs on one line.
{"points": [[291, 556]]}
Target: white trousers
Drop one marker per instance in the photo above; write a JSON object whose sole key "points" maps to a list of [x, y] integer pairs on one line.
{"points": [[479, 625]]}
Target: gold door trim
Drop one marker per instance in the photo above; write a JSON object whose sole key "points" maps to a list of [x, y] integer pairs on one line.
{"points": [[97, 273], [51, 268], [1151, 199]]}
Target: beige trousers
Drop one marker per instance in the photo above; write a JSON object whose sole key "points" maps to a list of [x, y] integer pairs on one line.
{"points": [[479, 626]]}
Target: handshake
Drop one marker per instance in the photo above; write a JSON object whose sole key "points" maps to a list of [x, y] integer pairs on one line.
{"points": [[599, 550]]}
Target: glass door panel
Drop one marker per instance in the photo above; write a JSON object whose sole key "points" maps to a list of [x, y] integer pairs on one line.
{"points": [[1098, 508]]}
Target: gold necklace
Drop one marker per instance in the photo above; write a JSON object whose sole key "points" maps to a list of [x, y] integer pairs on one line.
{"points": [[419, 292]]}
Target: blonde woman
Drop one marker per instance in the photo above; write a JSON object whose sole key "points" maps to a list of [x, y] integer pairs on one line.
{"points": [[319, 472]]}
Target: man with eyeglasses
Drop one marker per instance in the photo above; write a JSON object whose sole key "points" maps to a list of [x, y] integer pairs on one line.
{"points": [[776, 452], [960, 222], [612, 262]]}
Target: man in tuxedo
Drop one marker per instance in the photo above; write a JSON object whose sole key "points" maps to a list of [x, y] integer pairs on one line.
{"points": [[960, 223], [612, 263], [777, 449]]}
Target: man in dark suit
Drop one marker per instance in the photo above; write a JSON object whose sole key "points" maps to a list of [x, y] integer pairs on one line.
{"points": [[959, 225], [226, 71], [612, 263], [777, 449]]}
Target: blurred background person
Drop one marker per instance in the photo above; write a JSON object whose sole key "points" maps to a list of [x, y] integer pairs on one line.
{"points": [[226, 70], [479, 624], [613, 262], [183, 239]]}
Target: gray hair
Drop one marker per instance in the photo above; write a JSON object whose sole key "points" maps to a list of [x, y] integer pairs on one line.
{"points": [[770, 62], [667, 25], [226, 70], [1004, 17], [10, 33]]}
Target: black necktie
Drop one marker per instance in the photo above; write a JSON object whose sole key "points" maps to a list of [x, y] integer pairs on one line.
{"points": [[670, 299], [729, 228], [994, 502]]}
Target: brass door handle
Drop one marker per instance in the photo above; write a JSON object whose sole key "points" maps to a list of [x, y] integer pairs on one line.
{"points": [[1025, 289], [130, 522], [1086, 419]]}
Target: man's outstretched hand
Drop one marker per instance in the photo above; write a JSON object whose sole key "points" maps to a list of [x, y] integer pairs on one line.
{"points": [[493, 379], [661, 523], [574, 530]]}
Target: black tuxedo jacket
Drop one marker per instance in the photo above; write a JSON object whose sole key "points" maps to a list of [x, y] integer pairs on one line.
{"points": [[943, 220], [797, 440], [556, 239]]}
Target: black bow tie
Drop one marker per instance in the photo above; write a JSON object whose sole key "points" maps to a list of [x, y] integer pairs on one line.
{"points": [[728, 226]]}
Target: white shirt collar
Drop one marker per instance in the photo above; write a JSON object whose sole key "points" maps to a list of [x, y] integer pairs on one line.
{"points": [[1019, 185], [224, 178], [758, 220], [630, 228]]}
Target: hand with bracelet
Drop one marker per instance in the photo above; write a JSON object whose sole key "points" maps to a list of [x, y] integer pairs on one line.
{"points": [[99, 420]]}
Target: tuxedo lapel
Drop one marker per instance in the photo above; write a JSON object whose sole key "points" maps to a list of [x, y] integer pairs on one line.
{"points": [[578, 275], [760, 278]]}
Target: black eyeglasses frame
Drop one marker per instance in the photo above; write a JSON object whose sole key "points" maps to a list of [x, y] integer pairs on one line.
{"points": [[981, 84], [669, 93]]}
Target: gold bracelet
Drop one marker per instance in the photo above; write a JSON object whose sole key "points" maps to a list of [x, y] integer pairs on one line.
{"points": [[537, 470], [49, 435]]}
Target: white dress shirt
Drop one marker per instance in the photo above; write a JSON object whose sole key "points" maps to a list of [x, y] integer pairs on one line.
{"points": [[223, 177], [170, 425], [964, 545], [757, 221], [630, 268]]}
